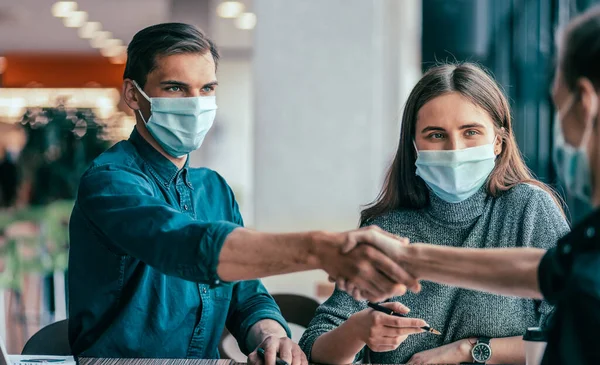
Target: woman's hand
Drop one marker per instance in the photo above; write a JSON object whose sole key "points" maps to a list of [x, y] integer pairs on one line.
{"points": [[382, 332]]}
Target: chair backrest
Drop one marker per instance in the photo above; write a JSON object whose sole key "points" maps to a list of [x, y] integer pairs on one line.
{"points": [[296, 309], [50, 340]]}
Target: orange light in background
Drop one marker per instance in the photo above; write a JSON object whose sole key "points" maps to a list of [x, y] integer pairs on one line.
{"points": [[3, 63], [61, 70]]}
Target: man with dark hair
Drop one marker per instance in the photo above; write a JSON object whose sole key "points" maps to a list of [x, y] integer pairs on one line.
{"points": [[159, 260]]}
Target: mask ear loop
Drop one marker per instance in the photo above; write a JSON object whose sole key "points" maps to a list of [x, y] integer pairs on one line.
{"points": [[416, 149], [145, 97]]}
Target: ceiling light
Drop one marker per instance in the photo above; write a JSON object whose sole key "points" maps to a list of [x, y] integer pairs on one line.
{"points": [[89, 29], [100, 39], [76, 19], [112, 48], [62, 9], [121, 57], [230, 9], [245, 21]]}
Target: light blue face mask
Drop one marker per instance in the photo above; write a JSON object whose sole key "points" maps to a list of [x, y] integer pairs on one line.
{"points": [[572, 163], [179, 125], [457, 174]]}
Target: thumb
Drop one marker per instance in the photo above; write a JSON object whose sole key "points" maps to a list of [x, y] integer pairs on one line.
{"points": [[349, 245], [396, 307]]}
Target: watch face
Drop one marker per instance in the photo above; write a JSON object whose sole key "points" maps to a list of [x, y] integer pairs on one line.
{"points": [[481, 352]]}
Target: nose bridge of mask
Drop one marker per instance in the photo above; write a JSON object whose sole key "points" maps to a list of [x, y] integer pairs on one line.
{"points": [[455, 158]]}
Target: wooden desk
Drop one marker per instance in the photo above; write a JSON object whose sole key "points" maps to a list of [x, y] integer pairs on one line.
{"points": [[102, 361]]}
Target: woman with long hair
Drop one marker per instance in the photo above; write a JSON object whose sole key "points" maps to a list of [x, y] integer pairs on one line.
{"points": [[458, 179]]}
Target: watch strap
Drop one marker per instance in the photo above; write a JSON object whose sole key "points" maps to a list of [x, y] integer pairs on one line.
{"points": [[485, 340]]}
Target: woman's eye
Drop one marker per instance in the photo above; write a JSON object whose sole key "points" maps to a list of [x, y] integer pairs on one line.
{"points": [[436, 136], [472, 133], [208, 89], [174, 89]]}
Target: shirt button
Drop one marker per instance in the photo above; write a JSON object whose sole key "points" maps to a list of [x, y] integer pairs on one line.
{"points": [[217, 282], [185, 207], [204, 290], [166, 184], [566, 249], [590, 232]]}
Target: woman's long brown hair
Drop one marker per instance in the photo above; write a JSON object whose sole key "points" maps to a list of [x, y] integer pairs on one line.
{"points": [[403, 189]]}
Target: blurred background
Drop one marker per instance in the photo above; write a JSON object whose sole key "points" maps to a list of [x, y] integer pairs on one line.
{"points": [[310, 99]]}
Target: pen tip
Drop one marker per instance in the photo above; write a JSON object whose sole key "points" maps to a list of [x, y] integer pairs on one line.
{"points": [[435, 332]]}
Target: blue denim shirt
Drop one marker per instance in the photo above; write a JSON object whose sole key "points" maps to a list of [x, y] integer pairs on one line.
{"points": [[145, 240]]}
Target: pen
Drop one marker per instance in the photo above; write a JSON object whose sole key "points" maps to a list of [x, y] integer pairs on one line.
{"points": [[43, 360], [383, 309], [261, 352]]}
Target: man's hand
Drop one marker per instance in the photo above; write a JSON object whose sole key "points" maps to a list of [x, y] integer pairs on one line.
{"points": [[275, 346], [361, 268], [271, 337]]}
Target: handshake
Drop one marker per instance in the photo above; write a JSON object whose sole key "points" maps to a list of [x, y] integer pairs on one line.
{"points": [[366, 263]]}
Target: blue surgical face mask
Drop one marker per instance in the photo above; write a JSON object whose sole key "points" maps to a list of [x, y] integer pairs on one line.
{"points": [[456, 175], [572, 163], [179, 125]]}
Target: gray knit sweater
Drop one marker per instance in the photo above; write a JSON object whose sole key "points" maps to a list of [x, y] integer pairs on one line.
{"points": [[525, 216]]}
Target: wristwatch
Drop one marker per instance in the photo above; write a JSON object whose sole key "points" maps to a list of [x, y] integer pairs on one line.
{"points": [[482, 351]]}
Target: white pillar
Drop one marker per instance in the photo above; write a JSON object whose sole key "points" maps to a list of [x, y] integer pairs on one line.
{"points": [[330, 80]]}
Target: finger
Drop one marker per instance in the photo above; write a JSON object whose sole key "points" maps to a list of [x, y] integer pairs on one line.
{"points": [[285, 350], [271, 353], [370, 278], [350, 287], [378, 239], [378, 285], [400, 322], [404, 241], [304, 358], [395, 332], [341, 284], [416, 288], [331, 279], [396, 307], [393, 342], [384, 348], [350, 244], [356, 293], [254, 359], [393, 271], [298, 357]]}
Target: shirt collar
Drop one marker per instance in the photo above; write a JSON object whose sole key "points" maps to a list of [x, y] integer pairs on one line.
{"points": [[160, 166]]}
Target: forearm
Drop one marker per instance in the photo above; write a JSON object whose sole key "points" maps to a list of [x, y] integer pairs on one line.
{"points": [[261, 330], [507, 350], [338, 346], [248, 254], [505, 271]]}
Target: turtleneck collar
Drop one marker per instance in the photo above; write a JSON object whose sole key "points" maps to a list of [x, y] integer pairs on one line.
{"points": [[462, 212]]}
